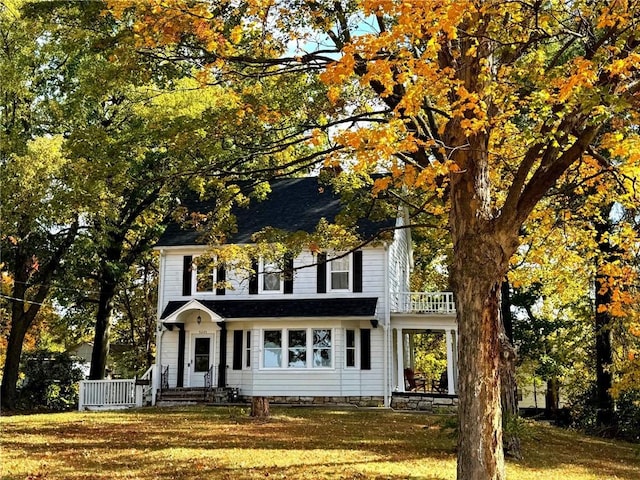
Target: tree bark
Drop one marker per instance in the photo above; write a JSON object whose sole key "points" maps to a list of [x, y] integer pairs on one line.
{"points": [[605, 417], [604, 359], [480, 450], [552, 398], [20, 323], [509, 385], [100, 352], [260, 407]]}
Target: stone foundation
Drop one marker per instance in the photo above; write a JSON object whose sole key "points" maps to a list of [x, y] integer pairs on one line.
{"points": [[425, 403], [366, 401]]}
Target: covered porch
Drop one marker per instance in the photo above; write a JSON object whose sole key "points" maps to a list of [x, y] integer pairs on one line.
{"points": [[425, 350]]}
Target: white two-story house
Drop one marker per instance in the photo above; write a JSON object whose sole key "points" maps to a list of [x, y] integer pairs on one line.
{"points": [[332, 328]]}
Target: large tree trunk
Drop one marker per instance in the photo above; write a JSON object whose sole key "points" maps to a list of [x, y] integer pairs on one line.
{"points": [[480, 450], [552, 398], [605, 417], [100, 352], [108, 284], [20, 323], [480, 262]]}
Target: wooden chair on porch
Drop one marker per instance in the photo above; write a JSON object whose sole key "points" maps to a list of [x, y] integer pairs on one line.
{"points": [[442, 385], [413, 382]]}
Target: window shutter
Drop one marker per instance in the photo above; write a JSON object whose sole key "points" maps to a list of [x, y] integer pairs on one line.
{"points": [[288, 274], [237, 349], [221, 276], [186, 275], [253, 280], [357, 271], [322, 273], [365, 349]]}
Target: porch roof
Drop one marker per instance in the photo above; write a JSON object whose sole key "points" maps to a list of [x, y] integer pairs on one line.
{"points": [[326, 307]]}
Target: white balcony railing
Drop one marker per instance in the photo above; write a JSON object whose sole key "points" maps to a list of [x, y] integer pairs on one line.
{"points": [[423, 302]]}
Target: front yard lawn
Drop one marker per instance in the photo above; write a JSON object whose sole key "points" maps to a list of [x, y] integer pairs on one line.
{"points": [[295, 443]]}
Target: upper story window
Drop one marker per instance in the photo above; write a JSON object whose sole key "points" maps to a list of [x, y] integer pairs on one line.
{"points": [[337, 273], [205, 277], [340, 273], [271, 278]]}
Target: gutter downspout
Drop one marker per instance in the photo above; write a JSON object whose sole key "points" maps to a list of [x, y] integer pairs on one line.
{"points": [[159, 329], [385, 326]]}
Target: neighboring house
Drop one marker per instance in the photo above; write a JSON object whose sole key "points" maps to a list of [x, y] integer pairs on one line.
{"points": [[83, 351], [338, 330]]}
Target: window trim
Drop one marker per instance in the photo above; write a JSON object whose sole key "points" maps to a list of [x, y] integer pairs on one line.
{"points": [[284, 366], [262, 270], [194, 279], [282, 347], [246, 360], [355, 348], [330, 263]]}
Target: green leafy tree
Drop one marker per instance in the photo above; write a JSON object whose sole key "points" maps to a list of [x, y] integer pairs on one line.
{"points": [[39, 210]]}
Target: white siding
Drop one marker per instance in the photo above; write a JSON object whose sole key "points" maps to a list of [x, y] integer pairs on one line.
{"points": [[338, 381], [304, 282]]}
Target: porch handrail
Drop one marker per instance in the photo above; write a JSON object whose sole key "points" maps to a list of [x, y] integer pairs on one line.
{"points": [[107, 394], [423, 302], [148, 376], [208, 378], [164, 377]]}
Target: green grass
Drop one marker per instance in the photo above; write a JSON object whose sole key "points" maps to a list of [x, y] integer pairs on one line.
{"points": [[295, 443]]}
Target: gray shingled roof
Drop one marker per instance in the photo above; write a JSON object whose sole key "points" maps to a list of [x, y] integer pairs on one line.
{"points": [[253, 308], [294, 204]]}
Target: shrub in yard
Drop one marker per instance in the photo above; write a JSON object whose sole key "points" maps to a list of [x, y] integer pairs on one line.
{"points": [[628, 415], [626, 425], [50, 381]]}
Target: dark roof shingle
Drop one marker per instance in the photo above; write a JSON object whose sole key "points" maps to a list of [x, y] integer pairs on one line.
{"points": [[276, 308], [294, 204]]}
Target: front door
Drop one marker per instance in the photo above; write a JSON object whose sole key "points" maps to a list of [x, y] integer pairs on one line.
{"points": [[201, 360]]}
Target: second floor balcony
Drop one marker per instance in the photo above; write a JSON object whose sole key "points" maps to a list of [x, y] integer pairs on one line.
{"points": [[441, 303]]}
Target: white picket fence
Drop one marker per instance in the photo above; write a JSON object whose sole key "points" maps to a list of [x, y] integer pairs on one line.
{"points": [[115, 394]]}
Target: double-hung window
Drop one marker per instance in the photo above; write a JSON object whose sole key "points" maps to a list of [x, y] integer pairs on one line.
{"points": [[340, 269], [205, 278], [304, 347], [350, 344], [297, 348], [272, 349], [247, 357], [271, 278]]}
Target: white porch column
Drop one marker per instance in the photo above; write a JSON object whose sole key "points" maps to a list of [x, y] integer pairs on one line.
{"points": [[455, 359], [412, 354], [155, 381], [399, 355], [450, 363]]}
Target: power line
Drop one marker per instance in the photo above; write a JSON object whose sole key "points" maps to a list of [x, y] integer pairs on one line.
{"points": [[21, 300]]}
